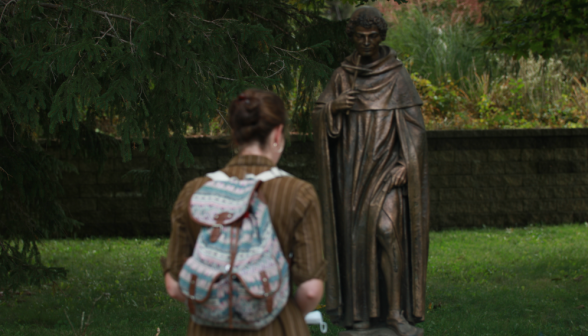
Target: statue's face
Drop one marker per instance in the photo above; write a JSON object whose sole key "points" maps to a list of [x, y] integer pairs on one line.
{"points": [[367, 41]]}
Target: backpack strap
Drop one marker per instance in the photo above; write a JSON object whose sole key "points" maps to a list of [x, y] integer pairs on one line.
{"points": [[271, 174], [218, 176], [267, 175]]}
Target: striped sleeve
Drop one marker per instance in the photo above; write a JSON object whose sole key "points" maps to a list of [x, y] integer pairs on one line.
{"points": [[308, 259]]}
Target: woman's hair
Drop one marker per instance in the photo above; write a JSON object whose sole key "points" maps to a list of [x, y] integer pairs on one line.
{"points": [[366, 17], [254, 114]]}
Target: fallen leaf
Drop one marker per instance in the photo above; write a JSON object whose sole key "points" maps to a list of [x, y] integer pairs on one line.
{"points": [[430, 305], [556, 279], [579, 278], [158, 331], [438, 305], [509, 230], [581, 307]]}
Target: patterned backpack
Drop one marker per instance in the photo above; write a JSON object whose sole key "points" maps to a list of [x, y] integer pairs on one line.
{"points": [[237, 276]]}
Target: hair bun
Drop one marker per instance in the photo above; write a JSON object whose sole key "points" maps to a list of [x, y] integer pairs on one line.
{"points": [[253, 115]]}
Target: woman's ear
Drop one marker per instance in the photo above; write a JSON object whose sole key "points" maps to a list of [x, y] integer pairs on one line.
{"points": [[278, 134]]}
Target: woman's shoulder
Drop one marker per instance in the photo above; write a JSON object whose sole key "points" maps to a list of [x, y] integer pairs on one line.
{"points": [[294, 187]]}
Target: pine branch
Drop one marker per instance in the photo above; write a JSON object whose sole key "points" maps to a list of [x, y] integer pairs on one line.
{"points": [[101, 13], [5, 6]]}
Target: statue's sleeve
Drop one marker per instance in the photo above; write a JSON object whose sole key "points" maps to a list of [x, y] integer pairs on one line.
{"points": [[333, 122]]}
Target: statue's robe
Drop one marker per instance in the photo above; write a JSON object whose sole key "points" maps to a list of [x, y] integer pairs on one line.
{"points": [[356, 153]]}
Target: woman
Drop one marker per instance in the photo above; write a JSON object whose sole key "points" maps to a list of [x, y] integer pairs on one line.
{"points": [[257, 119]]}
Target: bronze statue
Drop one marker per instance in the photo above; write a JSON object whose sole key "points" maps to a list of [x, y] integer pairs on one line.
{"points": [[372, 158]]}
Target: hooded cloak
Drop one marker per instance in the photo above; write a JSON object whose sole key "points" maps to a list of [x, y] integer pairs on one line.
{"points": [[356, 153]]}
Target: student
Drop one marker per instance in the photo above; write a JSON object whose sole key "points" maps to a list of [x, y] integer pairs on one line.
{"points": [[257, 119]]}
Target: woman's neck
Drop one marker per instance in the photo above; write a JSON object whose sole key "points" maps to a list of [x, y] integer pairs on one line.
{"points": [[254, 149]]}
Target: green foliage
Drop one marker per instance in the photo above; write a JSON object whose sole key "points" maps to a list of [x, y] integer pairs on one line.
{"points": [[480, 282], [430, 44], [537, 26], [466, 85], [80, 72]]}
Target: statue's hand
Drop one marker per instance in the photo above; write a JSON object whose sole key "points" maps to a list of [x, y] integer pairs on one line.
{"points": [[344, 101], [398, 176]]}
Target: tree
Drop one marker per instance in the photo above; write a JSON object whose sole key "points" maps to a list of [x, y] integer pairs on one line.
{"points": [[158, 67], [537, 26]]}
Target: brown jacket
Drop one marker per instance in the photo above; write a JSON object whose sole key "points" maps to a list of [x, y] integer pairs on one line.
{"points": [[295, 212]]}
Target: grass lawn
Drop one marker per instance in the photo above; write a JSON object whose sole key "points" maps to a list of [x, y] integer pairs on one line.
{"points": [[531, 281]]}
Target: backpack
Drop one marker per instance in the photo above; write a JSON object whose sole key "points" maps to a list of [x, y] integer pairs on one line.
{"points": [[237, 276]]}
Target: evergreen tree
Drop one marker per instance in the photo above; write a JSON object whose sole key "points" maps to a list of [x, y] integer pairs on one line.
{"points": [[158, 67]]}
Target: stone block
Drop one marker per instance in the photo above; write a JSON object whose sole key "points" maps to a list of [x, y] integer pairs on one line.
{"points": [[495, 180], [561, 167], [451, 194], [471, 155], [518, 167], [450, 168], [433, 195], [451, 181], [502, 155], [513, 180], [522, 193], [579, 192], [140, 217], [580, 167], [489, 194], [580, 217], [439, 221], [443, 156], [568, 205], [539, 180], [571, 154], [487, 168], [539, 205], [161, 215], [534, 154], [570, 179], [552, 192], [507, 207], [439, 181]]}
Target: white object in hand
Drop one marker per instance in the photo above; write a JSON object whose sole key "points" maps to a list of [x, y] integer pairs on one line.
{"points": [[315, 317]]}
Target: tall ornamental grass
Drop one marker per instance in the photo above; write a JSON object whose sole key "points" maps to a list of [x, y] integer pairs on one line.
{"points": [[465, 85]]}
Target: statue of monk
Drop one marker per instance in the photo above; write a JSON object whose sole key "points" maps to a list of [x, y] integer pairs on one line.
{"points": [[371, 151]]}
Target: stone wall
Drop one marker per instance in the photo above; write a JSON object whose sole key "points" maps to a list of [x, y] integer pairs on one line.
{"points": [[500, 178]]}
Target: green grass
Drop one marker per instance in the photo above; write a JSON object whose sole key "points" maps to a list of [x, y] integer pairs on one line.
{"points": [[481, 282]]}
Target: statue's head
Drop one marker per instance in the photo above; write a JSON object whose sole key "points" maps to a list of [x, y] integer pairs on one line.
{"points": [[367, 28]]}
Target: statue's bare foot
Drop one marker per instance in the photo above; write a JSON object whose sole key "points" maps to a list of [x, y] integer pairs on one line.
{"points": [[401, 326]]}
